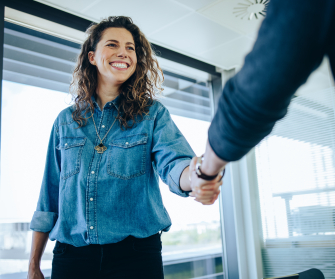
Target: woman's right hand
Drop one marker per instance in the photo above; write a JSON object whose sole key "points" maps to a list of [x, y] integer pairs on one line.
{"points": [[35, 273], [38, 244], [205, 192]]}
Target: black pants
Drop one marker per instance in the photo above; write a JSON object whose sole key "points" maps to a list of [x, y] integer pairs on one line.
{"points": [[131, 258]]}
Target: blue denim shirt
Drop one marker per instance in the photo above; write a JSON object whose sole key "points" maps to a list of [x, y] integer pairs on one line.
{"points": [[91, 198]]}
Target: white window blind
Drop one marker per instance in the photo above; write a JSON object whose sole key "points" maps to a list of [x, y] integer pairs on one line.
{"points": [[296, 180]]}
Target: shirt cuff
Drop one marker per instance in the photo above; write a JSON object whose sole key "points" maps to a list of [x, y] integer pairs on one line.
{"points": [[43, 221], [174, 178]]}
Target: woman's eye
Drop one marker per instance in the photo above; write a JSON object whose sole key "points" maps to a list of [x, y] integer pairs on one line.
{"points": [[131, 48], [113, 45]]}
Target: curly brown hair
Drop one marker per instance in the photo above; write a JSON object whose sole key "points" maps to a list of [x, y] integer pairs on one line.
{"points": [[136, 94]]}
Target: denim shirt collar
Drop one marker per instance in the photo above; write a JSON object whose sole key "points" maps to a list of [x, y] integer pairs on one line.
{"points": [[108, 105]]}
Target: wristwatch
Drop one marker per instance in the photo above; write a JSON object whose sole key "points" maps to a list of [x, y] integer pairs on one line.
{"points": [[201, 175]]}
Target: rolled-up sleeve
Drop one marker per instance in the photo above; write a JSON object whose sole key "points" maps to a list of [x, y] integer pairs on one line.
{"points": [[46, 213], [171, 152]]}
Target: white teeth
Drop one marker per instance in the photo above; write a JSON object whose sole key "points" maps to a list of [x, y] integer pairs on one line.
{"points": [[119, 65]]}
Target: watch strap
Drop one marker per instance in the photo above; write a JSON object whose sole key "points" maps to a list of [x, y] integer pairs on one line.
{"points": [[201, 175], [204, 176]]}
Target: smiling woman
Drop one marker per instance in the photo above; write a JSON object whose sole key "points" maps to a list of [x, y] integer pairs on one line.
{"points": [[125, 59], [100, 196]]}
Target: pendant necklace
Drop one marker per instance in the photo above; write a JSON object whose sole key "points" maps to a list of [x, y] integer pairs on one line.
{"points": [[101, 148]]}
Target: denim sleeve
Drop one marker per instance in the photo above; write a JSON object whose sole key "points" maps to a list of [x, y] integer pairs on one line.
{"points": [[291, 43], [170, 152], [46, 213]]}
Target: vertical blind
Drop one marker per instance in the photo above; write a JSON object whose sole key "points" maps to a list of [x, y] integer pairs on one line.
{"points": [[37, 59], [296, 180]]}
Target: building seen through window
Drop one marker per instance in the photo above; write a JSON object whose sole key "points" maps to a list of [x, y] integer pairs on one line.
{"points": [[296, 179]]}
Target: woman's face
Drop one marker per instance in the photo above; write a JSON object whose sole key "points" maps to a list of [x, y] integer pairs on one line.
{"points": [[115, 56]]}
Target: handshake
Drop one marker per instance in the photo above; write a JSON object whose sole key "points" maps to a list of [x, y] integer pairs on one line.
{"points": [[204, 188]]}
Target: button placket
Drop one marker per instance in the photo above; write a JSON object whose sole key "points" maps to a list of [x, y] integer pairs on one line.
{"points": [[91, 191]]}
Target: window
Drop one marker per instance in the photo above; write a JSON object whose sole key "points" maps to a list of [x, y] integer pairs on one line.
{"points": [[296, 179], [193, 247]]}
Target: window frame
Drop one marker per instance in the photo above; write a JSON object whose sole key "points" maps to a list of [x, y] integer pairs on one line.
{"points": [[247, 216]]}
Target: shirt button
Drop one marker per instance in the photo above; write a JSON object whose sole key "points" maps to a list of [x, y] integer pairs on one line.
{"points": [[92, 172], [103, 126], [110, 104], [91, 227], [127, 142], [91, 199], [65, 144]]}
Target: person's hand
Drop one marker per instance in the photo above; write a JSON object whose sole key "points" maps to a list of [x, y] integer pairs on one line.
{"points": [[205, 192], [35, 273]]}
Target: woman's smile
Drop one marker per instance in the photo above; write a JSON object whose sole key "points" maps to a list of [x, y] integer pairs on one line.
{"points": [[120, 65]]}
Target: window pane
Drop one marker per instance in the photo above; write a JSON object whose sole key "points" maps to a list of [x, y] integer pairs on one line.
{"points": [[37, 72], [192, 248], [24, 139], [296, 178], [186, 97]]}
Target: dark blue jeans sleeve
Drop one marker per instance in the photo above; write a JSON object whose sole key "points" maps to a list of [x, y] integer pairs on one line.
{"points": [[292, 41]]}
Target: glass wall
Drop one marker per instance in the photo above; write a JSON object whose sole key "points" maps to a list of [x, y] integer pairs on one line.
{"points": [[36, 76], [296, 178], [192, 248], [37, 71]]}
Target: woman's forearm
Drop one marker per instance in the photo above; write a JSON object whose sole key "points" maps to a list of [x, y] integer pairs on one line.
{"points": [[39, 242]]}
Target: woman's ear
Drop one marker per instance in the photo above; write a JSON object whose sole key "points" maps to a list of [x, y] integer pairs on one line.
{"points": [[91, 57]]}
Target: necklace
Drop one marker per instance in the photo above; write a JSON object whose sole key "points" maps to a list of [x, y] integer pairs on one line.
{"points": [[101, 148]]}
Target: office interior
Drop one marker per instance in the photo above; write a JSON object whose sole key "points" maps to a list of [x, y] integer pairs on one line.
{"points": [[276, 211]]}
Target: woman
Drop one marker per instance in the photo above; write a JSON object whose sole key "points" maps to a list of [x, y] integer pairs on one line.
{"points": [[100, 197]]}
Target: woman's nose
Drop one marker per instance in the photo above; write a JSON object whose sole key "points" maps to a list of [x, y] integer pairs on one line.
{"points": [[122, 53]]}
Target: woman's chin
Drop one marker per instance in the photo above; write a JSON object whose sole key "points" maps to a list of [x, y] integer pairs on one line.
{"points": [[119, 80], [120, 74]]}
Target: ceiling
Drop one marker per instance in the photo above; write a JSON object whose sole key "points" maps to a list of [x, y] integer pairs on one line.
{"points": [[207, 30], [219, 32]]}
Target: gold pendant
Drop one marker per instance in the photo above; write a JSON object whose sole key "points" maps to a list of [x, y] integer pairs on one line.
{"points": [[100, 148]]}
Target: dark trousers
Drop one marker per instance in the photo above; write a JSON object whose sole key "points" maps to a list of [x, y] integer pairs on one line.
{"points": [[131, 258]]}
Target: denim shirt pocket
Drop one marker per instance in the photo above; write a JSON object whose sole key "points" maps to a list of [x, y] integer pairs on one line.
{"points": [[126, 156], [71, 149]]}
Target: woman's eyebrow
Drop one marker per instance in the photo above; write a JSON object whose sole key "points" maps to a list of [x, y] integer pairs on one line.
{"points": [[115, 41]]}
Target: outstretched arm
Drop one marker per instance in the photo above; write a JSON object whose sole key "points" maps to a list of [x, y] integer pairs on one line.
{"points": [[292, 41]]}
